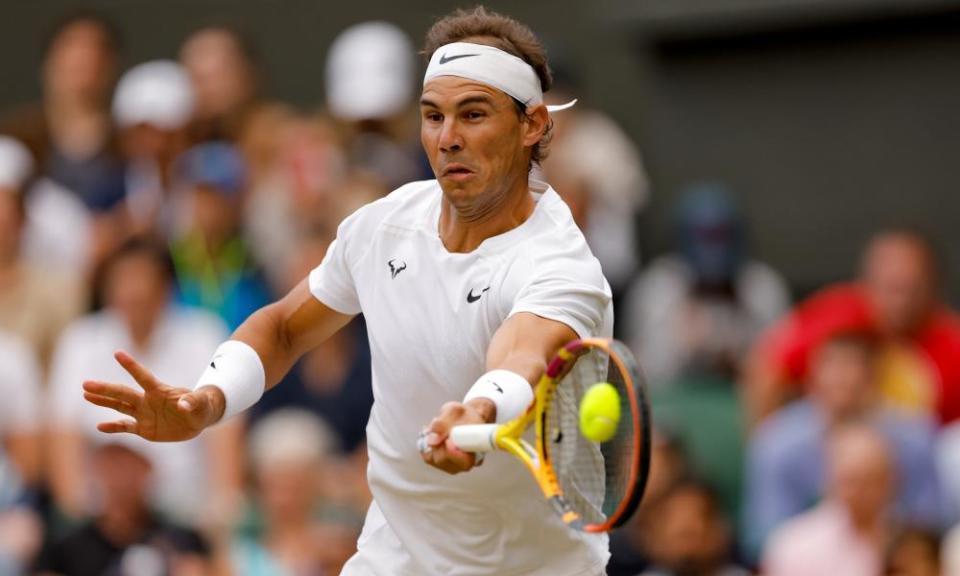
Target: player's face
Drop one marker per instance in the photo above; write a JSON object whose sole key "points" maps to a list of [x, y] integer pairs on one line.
{"points": [[477, 143]]}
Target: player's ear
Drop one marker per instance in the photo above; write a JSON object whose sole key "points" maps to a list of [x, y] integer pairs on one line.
{"points": [[536, 124]]}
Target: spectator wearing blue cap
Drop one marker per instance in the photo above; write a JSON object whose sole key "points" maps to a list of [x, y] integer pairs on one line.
{"points": [[698, 309], [214, 266], [691, 317]]}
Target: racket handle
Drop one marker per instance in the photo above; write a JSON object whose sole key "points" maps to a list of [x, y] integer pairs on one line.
{"points": [[474, 437]]}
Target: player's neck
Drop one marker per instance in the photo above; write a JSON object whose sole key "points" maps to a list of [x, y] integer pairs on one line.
{"points": [[464, 227]]}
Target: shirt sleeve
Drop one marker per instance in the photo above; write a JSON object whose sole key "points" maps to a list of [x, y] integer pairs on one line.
{"points": [[332, 282], [567, 287]]}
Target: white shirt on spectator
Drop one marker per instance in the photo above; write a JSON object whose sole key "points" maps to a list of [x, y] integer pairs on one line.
{"points": [[179, 349], [430, 316], [661, 305], [19, 386]]}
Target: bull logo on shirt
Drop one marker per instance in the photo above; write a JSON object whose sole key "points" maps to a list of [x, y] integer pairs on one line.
{"points": [[396, 267]]}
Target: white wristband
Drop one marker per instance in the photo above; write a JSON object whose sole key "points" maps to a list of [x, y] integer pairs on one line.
{"points": [[508, 390], [237, 371]]}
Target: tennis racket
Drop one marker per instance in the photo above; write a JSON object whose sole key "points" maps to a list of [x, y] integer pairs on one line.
{"points": [[593, 486]]}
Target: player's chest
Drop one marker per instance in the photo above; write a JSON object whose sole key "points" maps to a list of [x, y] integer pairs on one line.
{"points": [[417, 290]]}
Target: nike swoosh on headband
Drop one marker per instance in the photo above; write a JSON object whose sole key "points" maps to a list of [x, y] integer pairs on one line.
{"points": [[493, 67], [444, 58]]}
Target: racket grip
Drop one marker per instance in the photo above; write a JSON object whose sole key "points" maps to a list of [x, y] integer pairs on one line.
{"points": [[475, 437]]}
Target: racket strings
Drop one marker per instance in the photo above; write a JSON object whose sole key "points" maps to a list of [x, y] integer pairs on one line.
{"points": [[594, 477]]}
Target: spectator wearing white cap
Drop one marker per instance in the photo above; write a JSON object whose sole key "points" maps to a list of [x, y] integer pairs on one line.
{"points": [[370, 83], [291, 453], [35, 302], [152, 106]]}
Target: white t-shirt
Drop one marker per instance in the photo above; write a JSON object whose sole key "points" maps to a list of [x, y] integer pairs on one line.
{"points": [[178, 351], [19, 386], [431, 315]]}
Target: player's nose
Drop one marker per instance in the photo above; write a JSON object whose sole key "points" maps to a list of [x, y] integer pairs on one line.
{"points": [[451, 140]]}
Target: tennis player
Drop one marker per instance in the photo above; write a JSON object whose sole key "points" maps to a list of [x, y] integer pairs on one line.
{"points": [[469, 283]]}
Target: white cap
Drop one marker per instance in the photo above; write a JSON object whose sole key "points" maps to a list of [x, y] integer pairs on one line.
{"points": [[157, 93], [370, 72], [16, 163], [290, 436]]}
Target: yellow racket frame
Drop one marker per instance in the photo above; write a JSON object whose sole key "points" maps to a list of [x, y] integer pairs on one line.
{"points": [[509, 435]]}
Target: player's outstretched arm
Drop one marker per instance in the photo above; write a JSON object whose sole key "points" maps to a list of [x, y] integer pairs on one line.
{"points": [[522, 345], [279, 333]]}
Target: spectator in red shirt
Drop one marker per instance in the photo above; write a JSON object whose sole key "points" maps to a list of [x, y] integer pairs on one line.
{"points": [[897, 296]]}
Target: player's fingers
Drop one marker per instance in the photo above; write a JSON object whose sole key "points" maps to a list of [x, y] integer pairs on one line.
{"points": [[108, 402], [144, 377], [449, 461], [116, 391], [462, 459], [439, 427], [128, 426]]}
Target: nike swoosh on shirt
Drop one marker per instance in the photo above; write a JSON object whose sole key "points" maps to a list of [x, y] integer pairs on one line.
{"points": [[471, 298], [444, 58]]}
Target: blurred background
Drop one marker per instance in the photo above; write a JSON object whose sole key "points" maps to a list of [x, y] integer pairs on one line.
{"points": [[768, 185]]}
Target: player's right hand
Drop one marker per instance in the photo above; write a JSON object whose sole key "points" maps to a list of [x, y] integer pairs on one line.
{"points": [[160, 412], [440, 452]]}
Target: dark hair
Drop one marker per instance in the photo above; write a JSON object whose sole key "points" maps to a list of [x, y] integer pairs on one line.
{"points": [[929, 539], [920, 240], [138, 246], [113, 39], [486, 27], [241, 40], [863, 340], [695, 485]]}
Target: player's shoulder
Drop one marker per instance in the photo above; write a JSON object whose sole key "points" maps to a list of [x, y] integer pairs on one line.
{"points": [[407, 206], [557, 244]]}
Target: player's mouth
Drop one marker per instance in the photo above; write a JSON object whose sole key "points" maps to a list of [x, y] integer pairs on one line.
{"points": [[456, 171]]}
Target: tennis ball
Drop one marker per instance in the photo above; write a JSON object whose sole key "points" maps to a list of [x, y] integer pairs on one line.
{"points": [[600, 412]]}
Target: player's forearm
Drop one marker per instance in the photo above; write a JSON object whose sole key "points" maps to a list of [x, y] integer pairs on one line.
{"points": [[237, 379], [265, 331], [530, 365], [264, 348]]}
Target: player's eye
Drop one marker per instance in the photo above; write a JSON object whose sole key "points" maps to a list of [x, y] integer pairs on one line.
{"points": [[474, 114], [433, 116]]}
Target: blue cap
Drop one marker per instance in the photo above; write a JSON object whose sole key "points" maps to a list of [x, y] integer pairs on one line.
{"points": [[711, 232], [218, 165]]}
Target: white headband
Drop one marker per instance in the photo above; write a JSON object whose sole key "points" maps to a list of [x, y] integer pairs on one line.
{"points": [[490, 66]]}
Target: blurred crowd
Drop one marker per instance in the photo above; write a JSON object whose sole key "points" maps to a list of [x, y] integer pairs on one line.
{"points": [[152, 208]]}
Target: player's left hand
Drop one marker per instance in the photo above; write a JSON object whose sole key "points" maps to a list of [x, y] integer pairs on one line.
{"points": [[441, 452]]}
